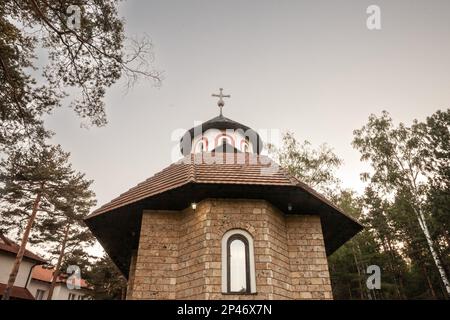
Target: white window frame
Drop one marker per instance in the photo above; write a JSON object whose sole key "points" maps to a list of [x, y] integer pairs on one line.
{"points": [[40, 294], [251, 259]]}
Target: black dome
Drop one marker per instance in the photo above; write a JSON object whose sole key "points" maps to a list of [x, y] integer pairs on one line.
{"points": [[221, 123]]}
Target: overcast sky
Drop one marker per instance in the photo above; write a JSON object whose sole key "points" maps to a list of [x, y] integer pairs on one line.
{"points": [[311, 67]]}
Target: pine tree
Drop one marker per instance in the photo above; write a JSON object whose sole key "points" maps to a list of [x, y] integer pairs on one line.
{"points": [[64, 230], [35, 182], [107, 281]]}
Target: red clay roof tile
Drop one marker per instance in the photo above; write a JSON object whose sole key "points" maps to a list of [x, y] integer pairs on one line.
{"points": [[213, 168], [239, 168], [10, 246]]}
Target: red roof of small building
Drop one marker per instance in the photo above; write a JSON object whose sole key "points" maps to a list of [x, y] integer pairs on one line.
{"points": [[44, 274], [7, 245]]}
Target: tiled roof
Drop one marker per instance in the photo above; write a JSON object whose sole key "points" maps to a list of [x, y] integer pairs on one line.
{"points": [[239, 168], [7, 245], [213, 175], [17, 292], [44, 274], [212, 168]]}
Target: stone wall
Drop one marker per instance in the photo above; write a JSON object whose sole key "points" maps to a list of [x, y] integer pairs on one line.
{"points": [[308, 261], [156, 267], [179, 255]]}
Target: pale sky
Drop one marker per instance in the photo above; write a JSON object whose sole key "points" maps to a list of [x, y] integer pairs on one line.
{"points": [[311, 67]]}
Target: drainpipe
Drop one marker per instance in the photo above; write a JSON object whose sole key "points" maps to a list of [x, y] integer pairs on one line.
{"points": [[29, 274], [31, 271]]}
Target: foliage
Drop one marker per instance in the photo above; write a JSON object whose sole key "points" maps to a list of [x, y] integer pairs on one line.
{"points": [[315, 167], [45, 170], [407, 187], [89, 59], [404, 159]]}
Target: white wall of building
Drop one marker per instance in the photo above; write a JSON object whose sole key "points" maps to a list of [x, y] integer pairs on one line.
{"points": [[6, 264], [34, 285], [61, 291]]}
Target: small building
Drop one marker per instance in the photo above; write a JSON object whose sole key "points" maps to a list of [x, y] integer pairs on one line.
{"points": [[8, 252], [224, 222], [35, 276], [41, 280]]}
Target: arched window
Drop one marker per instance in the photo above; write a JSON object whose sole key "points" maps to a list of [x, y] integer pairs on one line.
{"points": [[224, 138], [244, 146], [238, 265], [202, 145]]}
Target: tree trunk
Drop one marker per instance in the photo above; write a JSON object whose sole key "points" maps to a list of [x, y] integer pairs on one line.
{"points": [[370, 291], [430, 285], [58, 264], [361, 291], [394, 272], [124, 294], [23, 244], [350, 292], [437, 260]]}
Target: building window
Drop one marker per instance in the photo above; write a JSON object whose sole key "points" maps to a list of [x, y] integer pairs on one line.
{"points": [[222, 139], [72, 296], [244, 146], [202, 145], [40, 294], [238, 266]]}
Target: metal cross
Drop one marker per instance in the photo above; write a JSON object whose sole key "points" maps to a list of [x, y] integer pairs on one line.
{"points": [[221, 103]]}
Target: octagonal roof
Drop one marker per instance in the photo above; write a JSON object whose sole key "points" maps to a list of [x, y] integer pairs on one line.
{"points": [[213, 175]]}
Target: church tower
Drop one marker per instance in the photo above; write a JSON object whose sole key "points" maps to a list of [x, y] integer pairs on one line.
{"points": [[224, 222]]}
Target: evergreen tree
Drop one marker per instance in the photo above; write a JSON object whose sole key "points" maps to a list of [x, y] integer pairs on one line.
{"points": [[406, 161], [64, 230], [36, 184], [398, 156], [106, 280]]}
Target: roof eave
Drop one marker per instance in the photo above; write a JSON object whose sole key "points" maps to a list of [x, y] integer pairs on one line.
{"points": [[124, 223]]}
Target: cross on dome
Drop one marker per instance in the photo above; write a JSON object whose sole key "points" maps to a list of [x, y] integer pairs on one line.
{"points": [[221, 103]]}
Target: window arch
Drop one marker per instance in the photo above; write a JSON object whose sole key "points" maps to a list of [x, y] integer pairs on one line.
{"points": [[201, 145], [245, 145], [238, 265], [224, 138]]}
